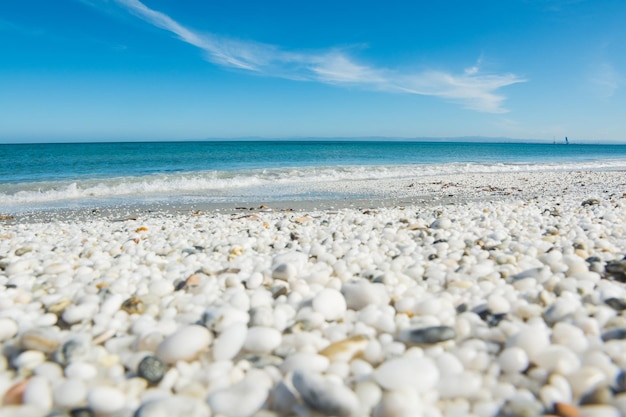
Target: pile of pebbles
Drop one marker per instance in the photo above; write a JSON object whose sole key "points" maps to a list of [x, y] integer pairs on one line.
{"points": [[509, 309]]}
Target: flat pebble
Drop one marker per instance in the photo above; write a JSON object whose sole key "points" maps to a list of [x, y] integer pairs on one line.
{"points": [[428, 335]]}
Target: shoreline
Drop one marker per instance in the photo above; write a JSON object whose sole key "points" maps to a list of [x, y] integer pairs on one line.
{"points": [[363, 194]]}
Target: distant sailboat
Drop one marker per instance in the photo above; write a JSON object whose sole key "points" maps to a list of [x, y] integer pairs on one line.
{"points": [[566, 141]]}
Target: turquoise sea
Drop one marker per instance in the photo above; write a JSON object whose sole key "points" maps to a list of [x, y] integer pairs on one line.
{"points": [[41, 176]]}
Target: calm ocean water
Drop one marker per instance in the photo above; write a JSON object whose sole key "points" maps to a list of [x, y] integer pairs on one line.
{"points": [[34, 176]]}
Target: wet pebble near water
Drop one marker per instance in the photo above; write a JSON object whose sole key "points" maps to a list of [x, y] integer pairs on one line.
{"points": [[488, 308]]}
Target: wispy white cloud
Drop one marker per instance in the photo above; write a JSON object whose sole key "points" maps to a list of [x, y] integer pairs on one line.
{"points": [[606, 79], [471, 88]]}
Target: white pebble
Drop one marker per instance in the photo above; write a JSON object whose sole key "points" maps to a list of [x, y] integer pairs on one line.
{"points": [[8, 328], [38, 392], [70, 393], [400, 373], [229, 342], [262, 339], [330, 304], [184, 344], [513, 359], [105, 400], [242, 399]]}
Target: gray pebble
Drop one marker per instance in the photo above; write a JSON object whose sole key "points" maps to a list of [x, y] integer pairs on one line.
{"points": [[430, 335], [620, 382], [151, 369], [70, 351], [82, 412], [614, 334], [616, 304]]}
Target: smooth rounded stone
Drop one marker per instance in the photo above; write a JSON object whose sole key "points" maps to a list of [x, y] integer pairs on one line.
{"points": [[304, 361], [361, 294], [174, 406], [497, 304], [49, 370], [81, 370], [463, 385], [78, 313], [330, 304], [42, 339], [8, 328], [184, 344], [399, 404], [614, 334], [571, 336], [557, 358], [533, 339], [242, 399], [151, 369], [77, 349], [70, 393], [559, 310], [428, 335], [262, 339], [29, 360], [284, 271], [160, 288], [369, 394], [585, 380], [513, 359], [38, 392], [448, 364], [420, 374], [105, 400], [228, 344], [325, 395]]}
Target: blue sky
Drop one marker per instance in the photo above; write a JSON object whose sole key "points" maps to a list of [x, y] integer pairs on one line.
{"points": [[84, 70]]}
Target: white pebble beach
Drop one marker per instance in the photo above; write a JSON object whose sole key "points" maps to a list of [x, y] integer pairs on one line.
{"points": [[476, 295]]}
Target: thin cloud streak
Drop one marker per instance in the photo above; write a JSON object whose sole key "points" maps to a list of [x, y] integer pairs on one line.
{"points": [[471, 89]]}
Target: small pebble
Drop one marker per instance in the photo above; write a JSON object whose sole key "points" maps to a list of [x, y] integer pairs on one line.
{"points": [[151, 369]]}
